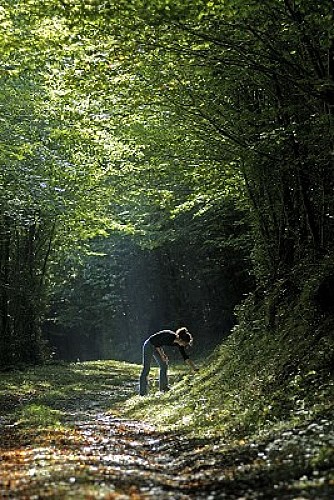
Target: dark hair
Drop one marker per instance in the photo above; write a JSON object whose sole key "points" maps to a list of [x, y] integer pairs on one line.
{"points": [[184, 335]]}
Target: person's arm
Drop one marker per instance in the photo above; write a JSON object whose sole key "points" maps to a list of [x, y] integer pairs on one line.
{"points": [[192, 364], [162, 354], [187, 359]]}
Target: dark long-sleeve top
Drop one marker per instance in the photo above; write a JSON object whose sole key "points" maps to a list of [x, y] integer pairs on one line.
{"points": [[167, 338]]}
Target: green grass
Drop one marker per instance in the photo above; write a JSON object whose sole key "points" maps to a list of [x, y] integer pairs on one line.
{"points": [[271, 392], [241, 390], [43, 394], [261, 405]]}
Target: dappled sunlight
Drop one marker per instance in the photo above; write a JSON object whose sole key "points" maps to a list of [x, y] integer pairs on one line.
{"points": [[93, 443], [93, 453], [165, 164], [69, 385]]}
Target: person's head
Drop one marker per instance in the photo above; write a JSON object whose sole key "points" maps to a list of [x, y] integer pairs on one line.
{"points": [[184, 336]]}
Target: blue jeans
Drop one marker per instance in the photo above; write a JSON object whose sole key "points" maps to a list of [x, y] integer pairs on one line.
{"points": [[148, 354]]}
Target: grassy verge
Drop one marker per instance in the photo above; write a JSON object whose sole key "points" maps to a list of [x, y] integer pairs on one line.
{"points": [[242, 389]]}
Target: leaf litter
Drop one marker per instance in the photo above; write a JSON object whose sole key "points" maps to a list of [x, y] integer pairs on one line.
{"points": [[89, 452]]}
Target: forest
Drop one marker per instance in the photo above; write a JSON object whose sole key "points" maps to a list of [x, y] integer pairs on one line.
{"points": [[161, 163], [167, 164]]}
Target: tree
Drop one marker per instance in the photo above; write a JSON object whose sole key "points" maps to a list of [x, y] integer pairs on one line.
{"points": [[148, 117], [52, 191], [123, 290], [258, 79]]}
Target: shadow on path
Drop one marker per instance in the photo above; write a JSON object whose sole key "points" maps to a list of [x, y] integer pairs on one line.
{"points": [[90, 453]]}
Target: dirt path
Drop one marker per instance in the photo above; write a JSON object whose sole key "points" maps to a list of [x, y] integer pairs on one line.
{"points": [[94, 454]]}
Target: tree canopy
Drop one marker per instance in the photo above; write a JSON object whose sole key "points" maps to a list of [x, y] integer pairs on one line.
{"points": [[162, 122]]}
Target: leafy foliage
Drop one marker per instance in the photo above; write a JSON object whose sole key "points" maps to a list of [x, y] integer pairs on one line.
{"points": [[140, 117], [53, 192], [201, 134], [197, 273]]}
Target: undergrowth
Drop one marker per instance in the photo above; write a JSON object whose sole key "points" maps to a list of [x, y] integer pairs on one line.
{"points": [[264, 382], [260, 409], [263, 400]]}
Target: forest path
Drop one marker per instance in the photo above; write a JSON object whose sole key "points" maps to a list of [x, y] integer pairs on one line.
{"points": [[94, 454], [61, 436]]}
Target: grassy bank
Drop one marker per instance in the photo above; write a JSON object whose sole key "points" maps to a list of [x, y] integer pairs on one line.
{"points": [[250, 385], [264, 398]]}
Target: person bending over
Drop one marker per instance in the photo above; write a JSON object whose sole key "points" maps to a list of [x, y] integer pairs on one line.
{"points": [[153, 347]]}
